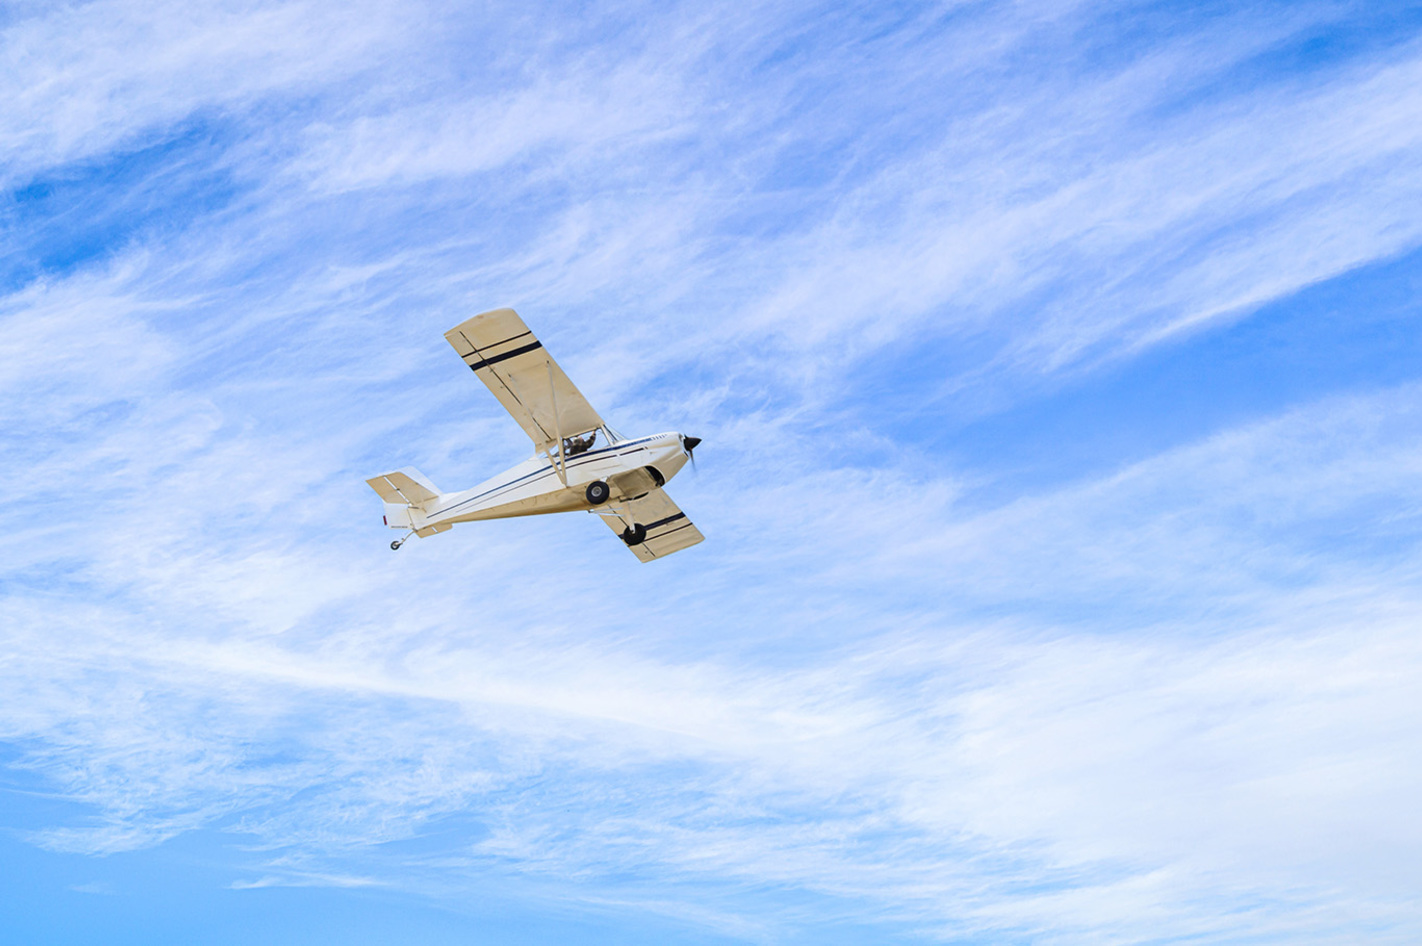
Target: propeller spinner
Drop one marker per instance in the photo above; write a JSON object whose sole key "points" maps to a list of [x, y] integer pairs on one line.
{"points": [[689, 444]]}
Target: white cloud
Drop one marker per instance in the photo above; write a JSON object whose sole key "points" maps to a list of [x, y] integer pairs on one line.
{"points": [[88, 77], [1222, 208], [1165, 699], [1167, 769]]}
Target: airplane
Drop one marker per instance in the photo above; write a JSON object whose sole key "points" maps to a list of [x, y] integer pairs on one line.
{"points": [[618, 479]]}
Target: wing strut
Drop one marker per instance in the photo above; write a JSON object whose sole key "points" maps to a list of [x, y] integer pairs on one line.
{"points": [[562, 465]]}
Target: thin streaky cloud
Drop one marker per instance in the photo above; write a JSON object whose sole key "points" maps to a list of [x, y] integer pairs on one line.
{"points": [[764, 745], [1168, 697]]}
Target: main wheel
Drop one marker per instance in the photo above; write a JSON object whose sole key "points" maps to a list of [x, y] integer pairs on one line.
{"points": [[635, 535], [395, 545], [598, 492]]}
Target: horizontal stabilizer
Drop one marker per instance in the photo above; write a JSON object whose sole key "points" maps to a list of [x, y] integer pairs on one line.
{"points": [[407, 486]]}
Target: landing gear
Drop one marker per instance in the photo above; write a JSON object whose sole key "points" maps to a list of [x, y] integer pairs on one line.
{"points": [[598, 492], [395, 546], [635, 535]]}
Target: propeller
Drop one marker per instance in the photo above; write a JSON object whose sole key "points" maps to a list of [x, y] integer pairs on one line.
{"points": [[689, 444]]}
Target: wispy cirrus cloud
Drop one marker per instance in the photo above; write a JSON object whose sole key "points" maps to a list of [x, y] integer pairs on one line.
{"points": [[1166, 697], [86, 79], [932, 769]]}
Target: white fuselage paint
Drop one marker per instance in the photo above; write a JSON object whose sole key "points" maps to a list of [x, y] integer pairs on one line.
{"points": [[534, 487]]}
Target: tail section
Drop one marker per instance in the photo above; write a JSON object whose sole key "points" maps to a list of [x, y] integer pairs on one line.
{"points": [[408, 496]]}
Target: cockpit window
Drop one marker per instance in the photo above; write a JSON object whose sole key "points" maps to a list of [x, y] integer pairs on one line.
{"points": [[572, 446]]}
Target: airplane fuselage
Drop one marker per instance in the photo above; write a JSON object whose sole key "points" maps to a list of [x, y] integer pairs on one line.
{"points": [[630, 468]]}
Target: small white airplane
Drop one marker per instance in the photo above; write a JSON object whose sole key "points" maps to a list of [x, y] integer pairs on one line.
{"points": [[620, 480]]}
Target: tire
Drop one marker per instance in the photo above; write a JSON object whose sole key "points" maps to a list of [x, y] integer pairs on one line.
{"points": [[598, 492], [635, 535]]}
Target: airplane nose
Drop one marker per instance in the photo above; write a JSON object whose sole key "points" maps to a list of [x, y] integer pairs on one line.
{"points": [[690, 443]]}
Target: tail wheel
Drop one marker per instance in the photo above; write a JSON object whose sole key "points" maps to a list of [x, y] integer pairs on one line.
{"points": [[598, 492], [635, 535]]}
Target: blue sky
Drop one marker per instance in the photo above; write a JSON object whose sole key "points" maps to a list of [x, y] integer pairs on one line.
{"points": [[1058, 368]]}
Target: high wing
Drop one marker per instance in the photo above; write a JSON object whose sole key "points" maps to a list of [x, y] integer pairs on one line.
{"points": [[668, 529], [523, 376]]}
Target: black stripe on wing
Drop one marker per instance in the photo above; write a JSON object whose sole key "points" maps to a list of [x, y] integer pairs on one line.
{"points": [[662, 522], [495, 359]]}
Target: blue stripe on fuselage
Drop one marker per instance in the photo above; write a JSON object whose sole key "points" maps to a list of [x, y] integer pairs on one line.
{"points": [[581, 459]]}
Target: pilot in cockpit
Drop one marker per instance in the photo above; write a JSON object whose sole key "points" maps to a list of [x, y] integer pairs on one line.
{"points": [[572, 446]]}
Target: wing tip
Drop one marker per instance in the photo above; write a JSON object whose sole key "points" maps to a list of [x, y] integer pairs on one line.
{"points": [[476, 320]]}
